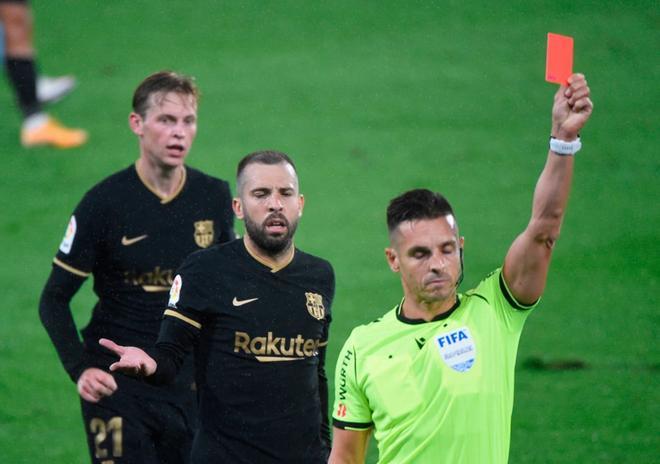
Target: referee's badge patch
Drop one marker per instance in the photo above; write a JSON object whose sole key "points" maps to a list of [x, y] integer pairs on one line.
{"points": [[175, 291], [315, 305], [69, 235], [457, 349]]}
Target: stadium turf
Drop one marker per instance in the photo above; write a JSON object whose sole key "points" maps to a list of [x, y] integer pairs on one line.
{"points": [[372, 98]]}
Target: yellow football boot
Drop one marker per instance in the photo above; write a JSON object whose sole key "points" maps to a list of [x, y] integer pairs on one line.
{"points": [[51, 132]]}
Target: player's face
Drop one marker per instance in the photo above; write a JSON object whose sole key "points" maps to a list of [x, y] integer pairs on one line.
{"points": [[270, 205], [427, 254], [168, 129]]}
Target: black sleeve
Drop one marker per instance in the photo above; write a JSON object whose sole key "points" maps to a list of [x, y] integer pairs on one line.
{"points": [[182, 321], [56, 317], [323, 395], [175, 340], [227, 232], [322, 377]]}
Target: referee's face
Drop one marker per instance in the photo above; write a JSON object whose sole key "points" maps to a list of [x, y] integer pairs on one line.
{"points": [[270, 205], [427, 254]]}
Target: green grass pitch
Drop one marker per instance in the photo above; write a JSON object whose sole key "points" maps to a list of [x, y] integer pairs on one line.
{"points": [[372, 98]]}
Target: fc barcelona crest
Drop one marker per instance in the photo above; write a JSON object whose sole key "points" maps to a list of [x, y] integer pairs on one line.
{"points": [[315, 305], [203, 233]]}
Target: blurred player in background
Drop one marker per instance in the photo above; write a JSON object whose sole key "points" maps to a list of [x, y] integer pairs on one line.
{"points": [[131, 231], [258, 310], [50, 89], [31, 92], [434, 376]]}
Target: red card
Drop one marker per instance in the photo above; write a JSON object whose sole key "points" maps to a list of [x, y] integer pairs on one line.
{"points": [[559, 58]]}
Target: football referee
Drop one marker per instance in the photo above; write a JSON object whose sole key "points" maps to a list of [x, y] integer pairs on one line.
{"points": [[433, 377], [130, 232], [258, 311]]}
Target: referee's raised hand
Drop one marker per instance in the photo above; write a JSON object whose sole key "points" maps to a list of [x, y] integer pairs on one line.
{"points": [[132, 360], [571, 109]]}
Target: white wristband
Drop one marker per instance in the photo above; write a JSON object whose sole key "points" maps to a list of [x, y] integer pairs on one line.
{"points": [[562, 147]]}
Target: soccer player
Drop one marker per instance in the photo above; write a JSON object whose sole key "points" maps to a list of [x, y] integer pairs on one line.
{"points": [[258, 311], [51, 89], [131, 231], [434, 376], [38, 127]]}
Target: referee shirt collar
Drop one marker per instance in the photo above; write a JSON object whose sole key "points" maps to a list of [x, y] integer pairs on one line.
{"points": [[439, 317]]}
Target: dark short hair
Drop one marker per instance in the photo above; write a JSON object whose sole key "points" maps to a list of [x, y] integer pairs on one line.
{"points": [[416, 204], [270, 157], [162, 82]]}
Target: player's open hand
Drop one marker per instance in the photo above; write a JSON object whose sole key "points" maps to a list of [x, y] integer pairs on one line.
{"points": [[132, 360], [572, 108], [94, 384]]}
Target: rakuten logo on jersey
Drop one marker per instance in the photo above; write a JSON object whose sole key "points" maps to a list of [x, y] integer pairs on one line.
{"points": [[158, 280], [271, 348]]}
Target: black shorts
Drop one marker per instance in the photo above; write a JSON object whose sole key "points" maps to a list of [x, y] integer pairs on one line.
{"points": [[127, 429]]}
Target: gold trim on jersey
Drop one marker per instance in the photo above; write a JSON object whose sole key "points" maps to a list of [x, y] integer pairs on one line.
{"points": [[323, 343], [268, 263], [71, 269], [170, 312], [152, 189], [267, 359], [155, 288]]}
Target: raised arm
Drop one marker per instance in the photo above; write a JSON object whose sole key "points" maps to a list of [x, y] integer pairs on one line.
{"points": [[527, 261]]}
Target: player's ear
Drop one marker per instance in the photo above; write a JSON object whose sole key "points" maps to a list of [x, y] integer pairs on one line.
{"points": [[237, 206], [392, 259], [135, 123], [461, 241], [301, 204]]}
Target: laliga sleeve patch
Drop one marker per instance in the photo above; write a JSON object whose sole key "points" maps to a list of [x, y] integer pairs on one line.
{"points": [[457, 349], [69, 235], [175, 291]]}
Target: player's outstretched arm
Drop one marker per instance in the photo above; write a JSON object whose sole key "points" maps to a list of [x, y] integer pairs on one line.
{"points": [[132, 360], [349, 446], [527, 261]]}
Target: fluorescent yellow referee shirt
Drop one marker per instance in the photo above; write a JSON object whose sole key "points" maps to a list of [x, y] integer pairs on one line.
{"points": [[438, 391]]}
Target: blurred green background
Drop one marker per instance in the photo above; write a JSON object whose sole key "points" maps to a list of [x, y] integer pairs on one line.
{"points": [[371, 99]]}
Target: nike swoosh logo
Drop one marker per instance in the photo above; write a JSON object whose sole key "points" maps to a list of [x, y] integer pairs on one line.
{"points": [[130, 241], [236, 302]]}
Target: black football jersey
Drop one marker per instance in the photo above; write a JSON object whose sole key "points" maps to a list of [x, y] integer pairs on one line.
{"points": [[132, 241], [260, 352]]}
